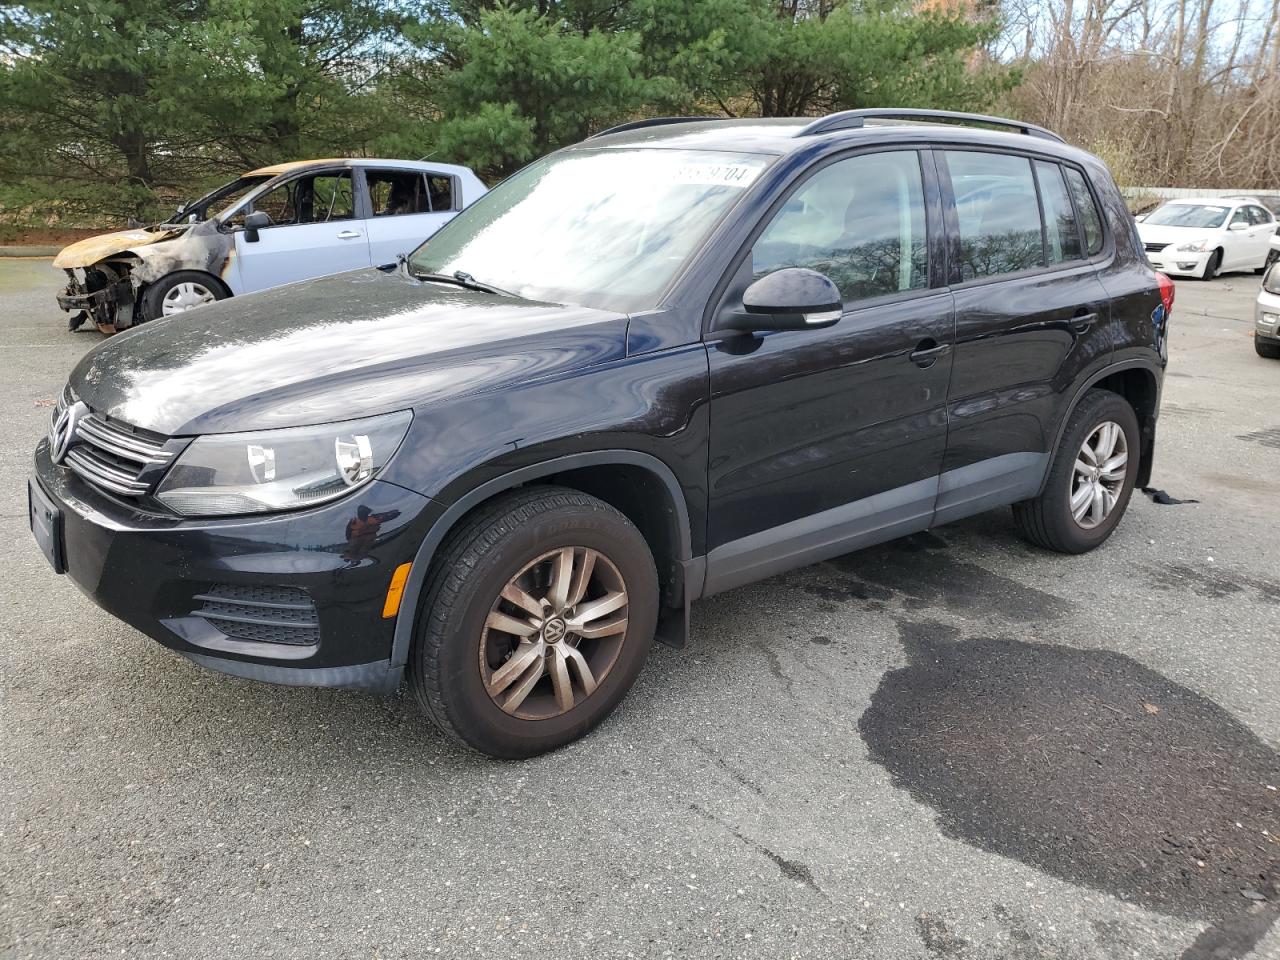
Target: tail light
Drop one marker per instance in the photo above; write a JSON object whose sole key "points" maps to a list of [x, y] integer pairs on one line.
{"points": [[1166, 292]]}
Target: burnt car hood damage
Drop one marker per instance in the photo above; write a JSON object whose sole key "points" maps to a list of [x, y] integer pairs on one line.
{"points": [[84, 253], [335, 348]]}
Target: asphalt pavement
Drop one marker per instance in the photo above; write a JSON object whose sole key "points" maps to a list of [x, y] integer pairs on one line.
{"points": [[952, 746]]}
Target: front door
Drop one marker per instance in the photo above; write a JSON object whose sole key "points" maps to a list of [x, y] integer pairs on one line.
{"points": [[826, 440], [1031, 316], [314, 232]]}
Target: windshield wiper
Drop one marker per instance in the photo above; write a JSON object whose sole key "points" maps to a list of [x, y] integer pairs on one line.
{"points": [[462, 279]]}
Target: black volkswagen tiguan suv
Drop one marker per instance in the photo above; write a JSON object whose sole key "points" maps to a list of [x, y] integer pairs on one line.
{"points": [[671, 360]]}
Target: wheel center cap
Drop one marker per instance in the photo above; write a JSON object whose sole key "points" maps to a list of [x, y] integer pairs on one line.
{"points": [[553, 630]]}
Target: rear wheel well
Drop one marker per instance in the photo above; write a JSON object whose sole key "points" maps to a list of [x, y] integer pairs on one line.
{"points": [[1138, 387]]}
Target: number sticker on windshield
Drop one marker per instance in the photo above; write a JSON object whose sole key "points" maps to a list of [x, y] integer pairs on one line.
{"points": [[717, 174]]}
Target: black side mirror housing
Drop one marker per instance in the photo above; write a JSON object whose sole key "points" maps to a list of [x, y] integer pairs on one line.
{"points": [[793, 298], [254, 222]]}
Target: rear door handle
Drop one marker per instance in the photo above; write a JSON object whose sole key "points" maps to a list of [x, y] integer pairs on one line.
{"points": [[1083, 321], [349, 234], [928, 351]]}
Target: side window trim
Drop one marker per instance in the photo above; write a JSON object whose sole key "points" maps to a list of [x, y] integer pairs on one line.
{"points": [[952, 222], [1044, 220]]}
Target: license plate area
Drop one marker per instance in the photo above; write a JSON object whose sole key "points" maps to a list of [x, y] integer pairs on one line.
{"points": [[46, 526]]}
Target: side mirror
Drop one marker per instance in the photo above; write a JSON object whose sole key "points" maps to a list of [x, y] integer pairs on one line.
{"points": [[1237, 225], [1139, 217], [793, 298], [254, 222]]}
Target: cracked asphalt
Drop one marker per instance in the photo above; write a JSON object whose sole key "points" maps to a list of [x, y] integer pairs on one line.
{"points": [[952, 746]]}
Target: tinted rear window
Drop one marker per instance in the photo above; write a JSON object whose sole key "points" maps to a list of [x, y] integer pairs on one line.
{"points": [[999, 216], [1090, 218]]}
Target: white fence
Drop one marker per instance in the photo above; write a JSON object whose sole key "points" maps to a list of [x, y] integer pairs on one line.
{"points": [[1178, 193]]}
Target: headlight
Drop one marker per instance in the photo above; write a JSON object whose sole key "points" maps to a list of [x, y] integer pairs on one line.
{"points": [[235, 473], [1195, 246]]}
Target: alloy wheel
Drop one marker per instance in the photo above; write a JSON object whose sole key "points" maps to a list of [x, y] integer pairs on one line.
{"points": [[1098, 475], [554, 633], [185, 296]]}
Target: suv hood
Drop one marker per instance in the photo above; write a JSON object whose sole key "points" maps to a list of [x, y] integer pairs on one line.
{"points": [[337, 348], [84, 253]]}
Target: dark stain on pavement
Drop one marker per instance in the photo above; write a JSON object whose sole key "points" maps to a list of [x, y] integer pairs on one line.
{"points": [[791, 869], [1213, 583], [920, 568], [937, 937], [1091, 767]]}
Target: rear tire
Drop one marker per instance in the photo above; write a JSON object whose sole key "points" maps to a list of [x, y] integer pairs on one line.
{"points": [[1212, 266], [511, 682], [1267, 349], [1049, 520]]}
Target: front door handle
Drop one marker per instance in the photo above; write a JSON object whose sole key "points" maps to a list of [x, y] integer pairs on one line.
{"points": [[349, 234], [1083, 321], [928, 351]]}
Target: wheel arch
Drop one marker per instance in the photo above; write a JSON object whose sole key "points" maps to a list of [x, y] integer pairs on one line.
{"points": [[639, 485], [1138, 381]]}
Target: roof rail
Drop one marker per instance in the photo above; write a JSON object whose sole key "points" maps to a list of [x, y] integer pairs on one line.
{"points": [[852, 119], [651, 122]]}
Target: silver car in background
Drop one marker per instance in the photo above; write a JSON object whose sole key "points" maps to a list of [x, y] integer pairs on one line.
{"points": [[1266, 315], [276, 225]]}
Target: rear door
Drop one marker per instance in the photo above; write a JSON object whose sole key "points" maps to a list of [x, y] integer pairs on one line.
{"points": [[314, 232], [825, 440], [407, 206], [1261, 229], [1031, 315]]}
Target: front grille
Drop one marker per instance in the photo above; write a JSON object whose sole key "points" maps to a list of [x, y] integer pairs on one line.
{"points": [[107, 453], [260, 614], [1154, 247]]}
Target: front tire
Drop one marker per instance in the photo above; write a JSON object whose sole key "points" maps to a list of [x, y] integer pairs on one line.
{"points": [[179, 292], [1090, 480], [1212, 266], [538, 615], [1265, 348]]}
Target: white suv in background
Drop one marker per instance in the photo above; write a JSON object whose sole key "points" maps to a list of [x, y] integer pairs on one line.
{"points": [[1204, 236]]}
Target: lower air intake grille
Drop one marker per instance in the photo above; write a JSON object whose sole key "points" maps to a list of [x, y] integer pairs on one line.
{"points": [[1154, 247], [261, 614]]}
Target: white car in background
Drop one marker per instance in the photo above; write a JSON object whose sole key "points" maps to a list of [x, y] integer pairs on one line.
{"points": [[1204, 236], [277, 225]]}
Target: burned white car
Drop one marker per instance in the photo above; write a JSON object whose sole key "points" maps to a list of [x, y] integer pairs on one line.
{"points": [[277, 225]]}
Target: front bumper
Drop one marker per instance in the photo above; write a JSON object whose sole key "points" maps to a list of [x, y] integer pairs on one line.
{"points": [[150, 571], [1177, 263]]}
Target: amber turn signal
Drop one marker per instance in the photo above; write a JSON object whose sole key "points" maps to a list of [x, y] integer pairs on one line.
{"points": [[394, 592]]}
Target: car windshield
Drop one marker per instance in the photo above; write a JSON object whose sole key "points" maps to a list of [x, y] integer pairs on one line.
{"points": [[603, 228], [1189, 215], [227, 197]]}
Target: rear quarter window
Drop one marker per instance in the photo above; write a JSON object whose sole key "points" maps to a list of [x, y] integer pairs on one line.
{"points": [[1090, 217]]}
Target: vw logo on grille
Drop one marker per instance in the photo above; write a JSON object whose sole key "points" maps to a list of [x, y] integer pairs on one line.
{"points": [[64, 430]]}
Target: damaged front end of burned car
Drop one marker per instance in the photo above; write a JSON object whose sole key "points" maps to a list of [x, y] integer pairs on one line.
{"points": [[107, 275]]}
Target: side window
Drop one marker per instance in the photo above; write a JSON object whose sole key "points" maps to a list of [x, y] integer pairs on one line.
{"points": [[393, 192], [318, 198], [329, 198], [1059, 217], [998, 213], [1092, 219], [859, 221], [1241, 216], [1259, 216], [441, 188]]}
